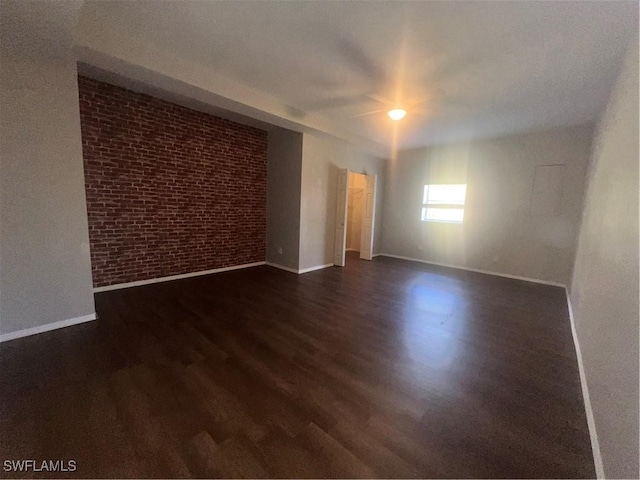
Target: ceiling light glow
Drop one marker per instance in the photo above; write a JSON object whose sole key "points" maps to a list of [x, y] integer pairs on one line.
{"points": [[396, 114]]}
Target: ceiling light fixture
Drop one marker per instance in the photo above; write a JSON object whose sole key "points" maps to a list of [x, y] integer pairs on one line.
{"points": [[396, 114]]}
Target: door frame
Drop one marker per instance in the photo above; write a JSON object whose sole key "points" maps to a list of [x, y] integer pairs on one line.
{"points": [[340, 240]]}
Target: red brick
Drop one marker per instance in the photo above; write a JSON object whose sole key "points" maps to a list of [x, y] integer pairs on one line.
{"points": [[169, 190]]}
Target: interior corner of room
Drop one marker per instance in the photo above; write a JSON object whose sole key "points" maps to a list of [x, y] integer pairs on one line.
{"points": [[131, 159]]}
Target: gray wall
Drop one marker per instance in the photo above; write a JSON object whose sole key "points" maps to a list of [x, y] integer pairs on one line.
{"points": [[498, 234], [284, 174], [45, 272], [604, 289], [322, 157]]}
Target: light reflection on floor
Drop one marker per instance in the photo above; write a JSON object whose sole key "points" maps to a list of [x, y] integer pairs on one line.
{"points": [[434, 319]]}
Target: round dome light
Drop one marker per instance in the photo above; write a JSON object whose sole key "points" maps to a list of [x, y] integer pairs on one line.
{"points": [[396, 114]]}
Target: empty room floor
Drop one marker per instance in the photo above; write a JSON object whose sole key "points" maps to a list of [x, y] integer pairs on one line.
{"points": [[382, 369]]}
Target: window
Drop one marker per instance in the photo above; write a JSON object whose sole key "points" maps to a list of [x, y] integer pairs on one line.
{"points": [[443, 203]]}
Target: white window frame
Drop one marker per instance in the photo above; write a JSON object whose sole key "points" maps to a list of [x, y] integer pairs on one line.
{"points": [[437, 205]]}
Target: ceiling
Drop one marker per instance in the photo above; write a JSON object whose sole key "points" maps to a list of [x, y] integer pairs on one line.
{"points": [[478, 68]]}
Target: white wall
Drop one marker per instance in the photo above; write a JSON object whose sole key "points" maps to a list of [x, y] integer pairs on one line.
{"points": [[499, 233], [45, 270], [322, 157], [604, 289], [284, 174]]}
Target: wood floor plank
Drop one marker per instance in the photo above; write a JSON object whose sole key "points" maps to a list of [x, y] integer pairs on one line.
{"points": [[386, 369]]}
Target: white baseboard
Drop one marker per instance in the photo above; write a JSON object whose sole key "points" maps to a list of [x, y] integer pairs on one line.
{"points": [[299, 271], [476, 270], [282, 267], [376, 255], [351, 250], [317, 267], [175, 277], [5, 337], [595, 445]]}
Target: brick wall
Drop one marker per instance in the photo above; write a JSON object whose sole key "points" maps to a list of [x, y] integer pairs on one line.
{"points": [[169, 190]]}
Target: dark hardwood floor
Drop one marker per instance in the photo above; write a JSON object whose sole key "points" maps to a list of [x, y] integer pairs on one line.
{"points": [[381, 369]]}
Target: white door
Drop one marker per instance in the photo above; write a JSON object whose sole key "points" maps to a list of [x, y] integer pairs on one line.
{"points": [[368, 218], [341, 218]]}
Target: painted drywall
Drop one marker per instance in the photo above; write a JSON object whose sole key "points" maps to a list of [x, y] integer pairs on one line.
{"points": [[45, 270], [322, 157], [500, 232], [604, 288], [284, 174]]}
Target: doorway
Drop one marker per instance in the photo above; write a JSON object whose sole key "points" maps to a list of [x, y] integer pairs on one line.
{"points": [[355, 210], [355, 216]]}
